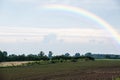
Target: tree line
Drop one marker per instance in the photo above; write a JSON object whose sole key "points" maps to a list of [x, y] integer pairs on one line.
{"points": [[41, 56]]}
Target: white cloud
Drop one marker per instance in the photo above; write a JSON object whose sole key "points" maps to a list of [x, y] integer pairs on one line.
{"points": [[72, 35]]}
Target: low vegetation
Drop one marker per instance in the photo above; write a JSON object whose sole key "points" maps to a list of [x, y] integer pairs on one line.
{"points": [[117, 79]]}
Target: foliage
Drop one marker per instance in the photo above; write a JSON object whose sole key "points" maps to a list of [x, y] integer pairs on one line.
{"points": [[73, 60], [41, 56], [67, 54], [3, 56], [77, 55], [50, 54]]}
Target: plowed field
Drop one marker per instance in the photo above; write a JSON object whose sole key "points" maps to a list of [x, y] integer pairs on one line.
{"points": [[82, 70]]}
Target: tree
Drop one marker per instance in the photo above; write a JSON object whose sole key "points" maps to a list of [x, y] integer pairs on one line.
{"points": [[107, 56], [117, 56], [50, 54], [31, 57], [12, 57], [41, 54], [22, 57], [5, 53], [3, 56], [67, 54], [77, 55], [89, 54]]}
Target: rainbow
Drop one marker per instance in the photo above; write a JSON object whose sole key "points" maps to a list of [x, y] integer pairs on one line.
{"points": [[87, 14]]}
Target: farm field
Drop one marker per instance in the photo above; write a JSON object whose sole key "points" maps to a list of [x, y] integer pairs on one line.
{"points": [[81, 70]]}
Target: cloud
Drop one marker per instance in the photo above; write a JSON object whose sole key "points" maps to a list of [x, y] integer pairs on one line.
{"points": [[49, 35], [51, 39]]}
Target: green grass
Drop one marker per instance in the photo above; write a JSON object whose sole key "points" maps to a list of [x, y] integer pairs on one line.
{"points": [[117, 79], [59, 71]]}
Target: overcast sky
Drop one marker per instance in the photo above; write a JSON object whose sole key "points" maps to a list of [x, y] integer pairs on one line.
{"points": [[27, 27]]}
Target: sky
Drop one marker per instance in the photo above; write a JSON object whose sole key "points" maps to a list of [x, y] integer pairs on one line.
{"points": [[27, 27]]}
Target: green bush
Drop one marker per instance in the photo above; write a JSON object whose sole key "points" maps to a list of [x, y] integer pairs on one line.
{"points": [[73, 60], [52, 61]]}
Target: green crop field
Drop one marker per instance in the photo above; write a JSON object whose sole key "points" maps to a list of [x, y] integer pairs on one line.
{"points": [[81, 70]]}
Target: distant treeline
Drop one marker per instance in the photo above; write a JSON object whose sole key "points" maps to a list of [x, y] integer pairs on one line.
{"points": [[103, 56], [41, 56]]}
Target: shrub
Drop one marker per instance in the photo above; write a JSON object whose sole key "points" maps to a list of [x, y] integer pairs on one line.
{"points": [[73, 60], [61, 60], [52, 61]]}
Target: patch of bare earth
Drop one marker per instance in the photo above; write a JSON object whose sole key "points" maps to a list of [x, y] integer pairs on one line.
{"points": [[5, 64], [96, 74]]}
